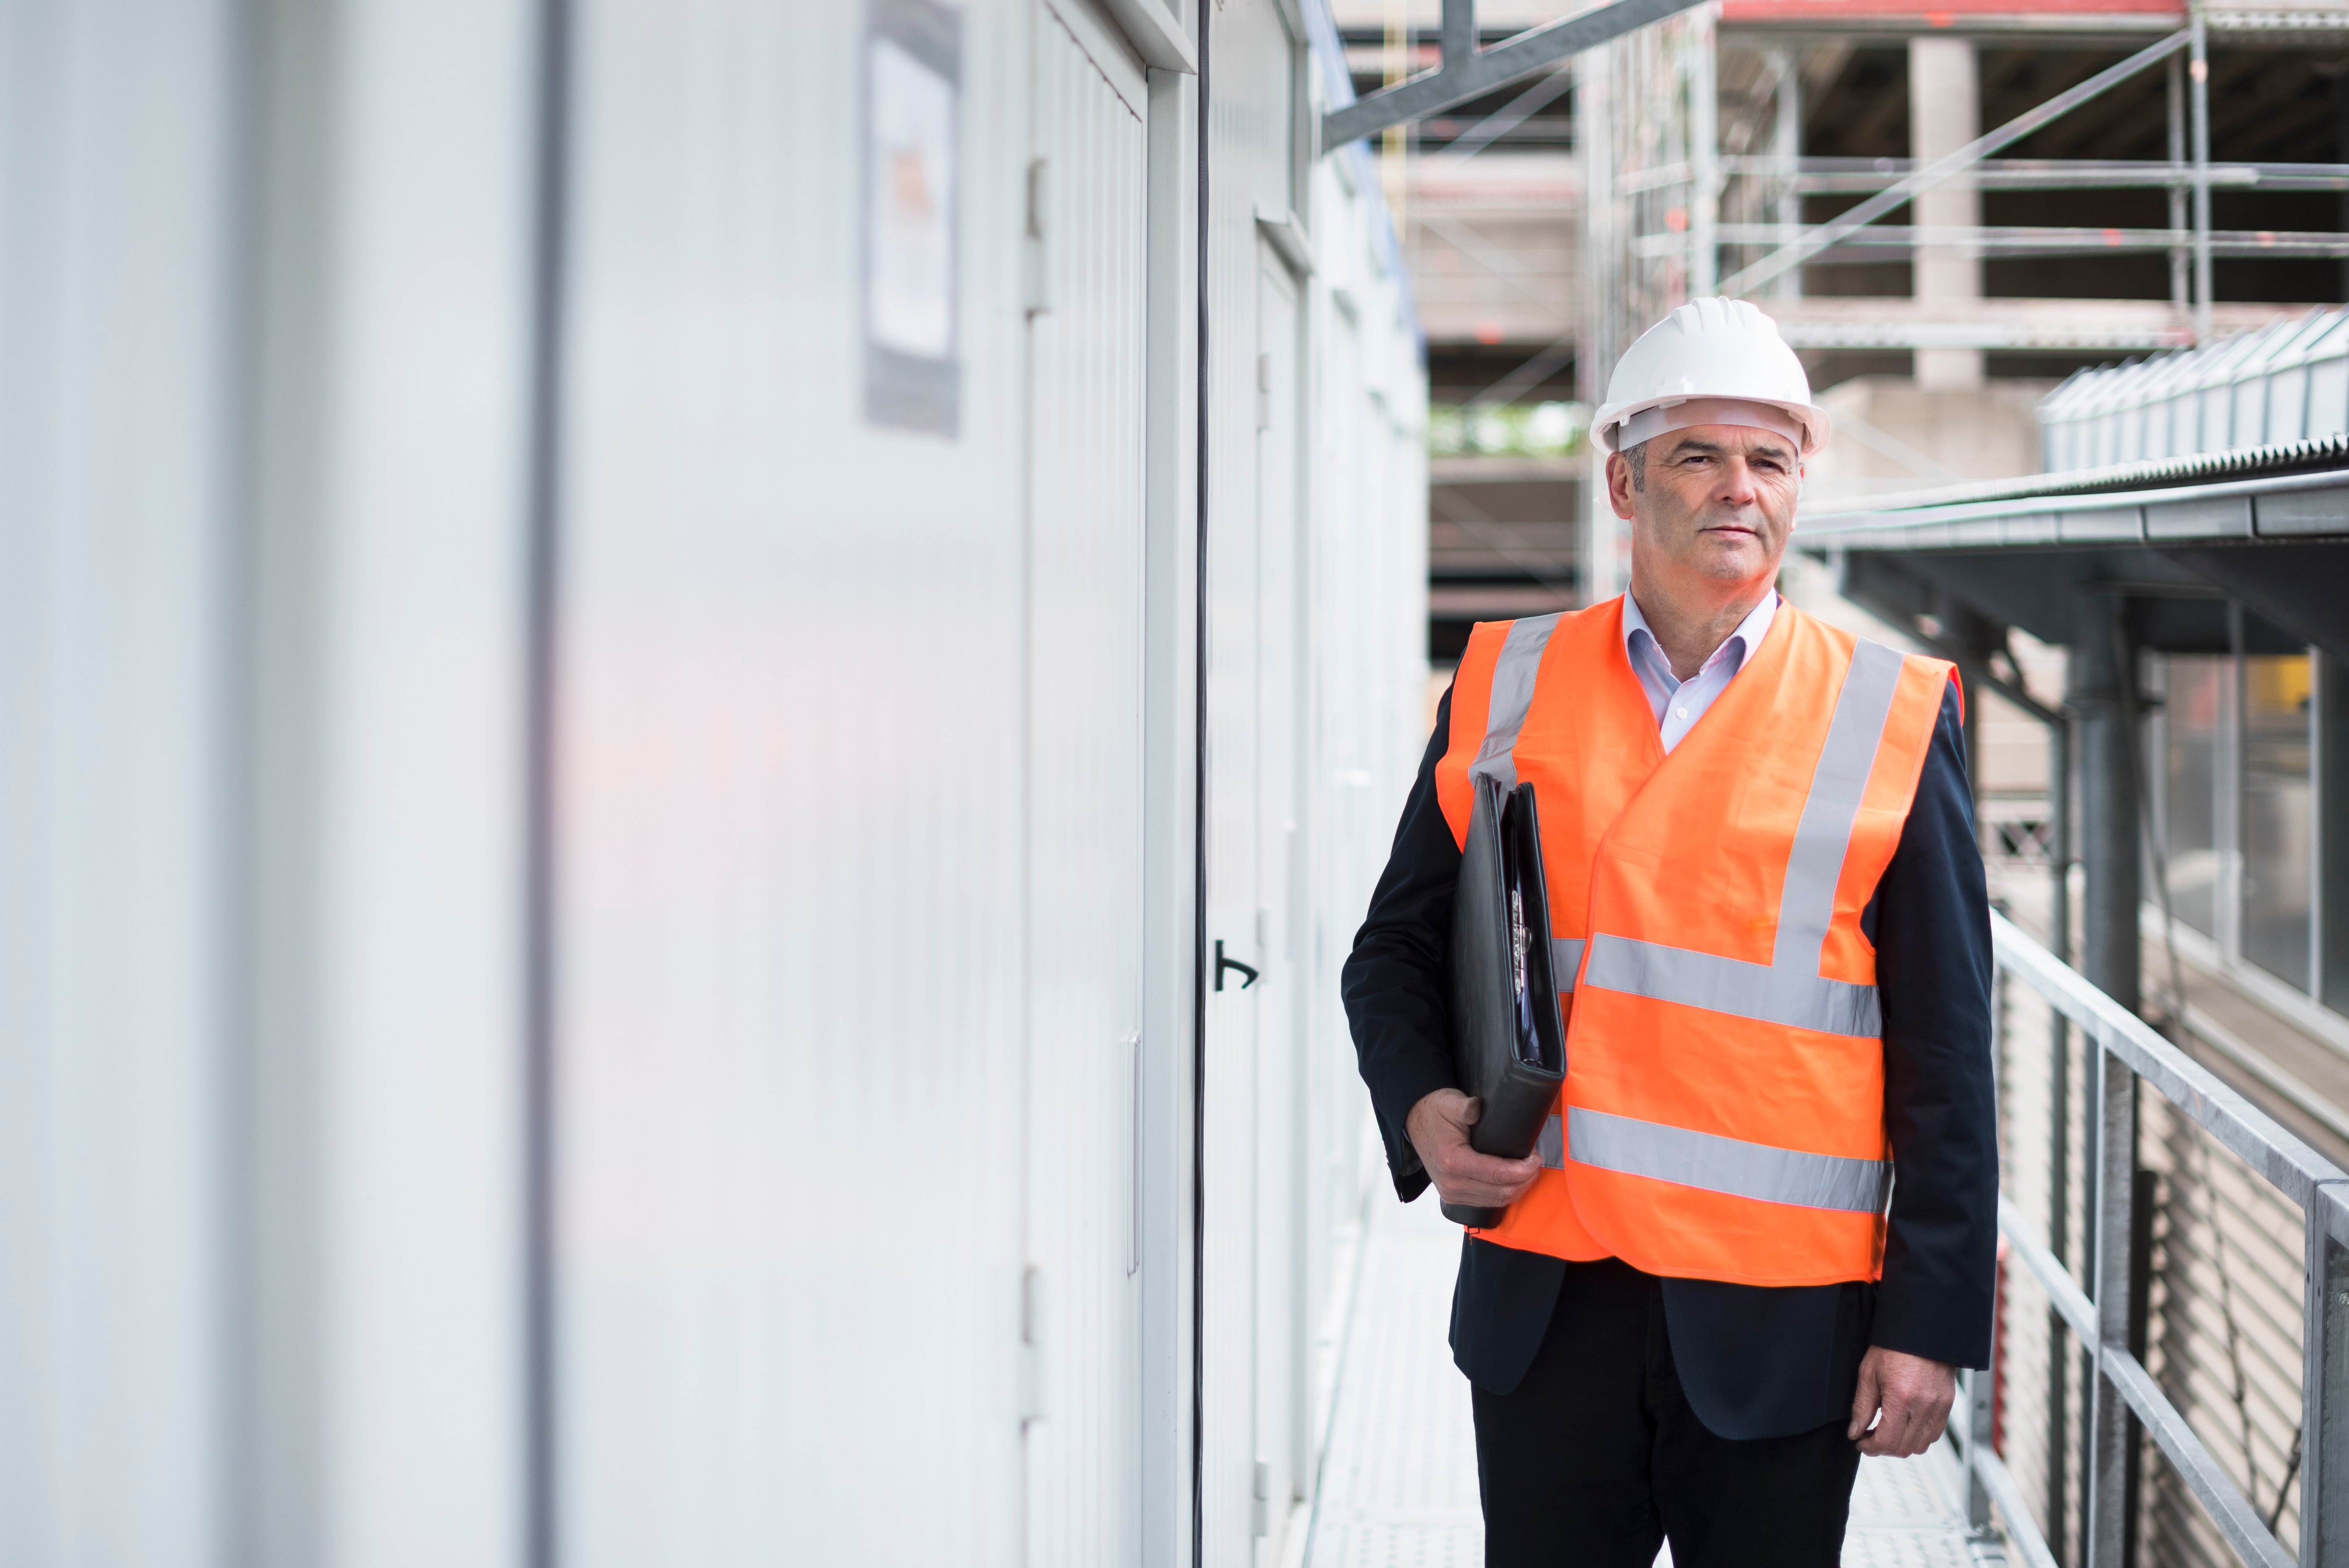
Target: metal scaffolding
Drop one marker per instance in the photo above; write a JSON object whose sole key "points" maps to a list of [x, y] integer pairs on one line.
{"points": [[1677, 200]]}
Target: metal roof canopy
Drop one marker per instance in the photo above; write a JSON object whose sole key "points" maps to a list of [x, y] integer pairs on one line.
{"points": [[1469, 71], [2287, 381], [2277, 545]]}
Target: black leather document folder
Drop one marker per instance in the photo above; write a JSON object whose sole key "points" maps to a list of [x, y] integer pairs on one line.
{"points": [[1509, 1043]]}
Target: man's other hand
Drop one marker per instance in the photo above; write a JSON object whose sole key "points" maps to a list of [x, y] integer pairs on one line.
{"points": [[1912, 1395], [1438, 1129]]}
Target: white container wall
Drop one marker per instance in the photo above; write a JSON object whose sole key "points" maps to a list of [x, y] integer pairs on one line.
{"points": [[817, 405], [112, 511], [260, 743]]}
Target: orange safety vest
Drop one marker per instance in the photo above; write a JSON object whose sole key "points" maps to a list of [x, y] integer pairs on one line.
{"points": [[1722, 1114]]}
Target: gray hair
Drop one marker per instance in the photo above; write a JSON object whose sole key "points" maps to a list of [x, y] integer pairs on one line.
{"points": [[1637, 456]]}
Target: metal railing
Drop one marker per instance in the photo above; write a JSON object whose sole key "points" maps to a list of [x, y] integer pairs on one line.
{"points": [[2125, 1049]]}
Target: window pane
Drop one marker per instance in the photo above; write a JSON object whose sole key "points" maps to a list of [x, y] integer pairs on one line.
{"points": [[2191, 708], [2332, 734], [2276, 845]]}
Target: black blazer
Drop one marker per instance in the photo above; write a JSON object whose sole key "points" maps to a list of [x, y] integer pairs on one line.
{"points": [[1756, 1361]]}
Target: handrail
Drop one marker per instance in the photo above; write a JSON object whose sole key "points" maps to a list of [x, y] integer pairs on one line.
{"points": [[2100, 1313], [2267, 1145]]}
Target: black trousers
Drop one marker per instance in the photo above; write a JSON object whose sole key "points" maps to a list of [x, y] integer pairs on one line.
{"points": [[1596, 1457]]}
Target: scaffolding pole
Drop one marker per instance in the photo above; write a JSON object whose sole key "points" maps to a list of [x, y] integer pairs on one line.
{"points": [[2199, 99], [2178, 299], [1704, 156]]}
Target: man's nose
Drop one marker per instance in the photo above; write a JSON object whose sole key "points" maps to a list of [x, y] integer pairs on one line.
{"points": [[1738, 483]]}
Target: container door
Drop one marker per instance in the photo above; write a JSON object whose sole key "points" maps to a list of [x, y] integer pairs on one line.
{"points": [[1232, 1515], [1280, 1145], [1248, 1258], [1084, 852]]}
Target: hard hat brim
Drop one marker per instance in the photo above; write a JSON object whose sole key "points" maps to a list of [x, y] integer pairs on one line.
{"points": [[1811, 418]]}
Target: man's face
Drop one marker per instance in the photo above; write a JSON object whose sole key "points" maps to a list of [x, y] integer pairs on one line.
{"points": [[1714, 501]]}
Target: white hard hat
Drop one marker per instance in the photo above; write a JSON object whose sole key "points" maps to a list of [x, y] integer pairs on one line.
{"points": [[1707, 353]]}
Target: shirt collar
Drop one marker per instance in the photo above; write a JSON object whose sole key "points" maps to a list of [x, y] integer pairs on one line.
{"points": [[1747, 637]]}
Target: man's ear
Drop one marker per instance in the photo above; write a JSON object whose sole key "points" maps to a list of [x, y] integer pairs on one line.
{"points": [[1619, 485]]}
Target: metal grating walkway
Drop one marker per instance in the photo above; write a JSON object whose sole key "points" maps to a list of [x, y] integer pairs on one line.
{"points": [[1399, 1478]]}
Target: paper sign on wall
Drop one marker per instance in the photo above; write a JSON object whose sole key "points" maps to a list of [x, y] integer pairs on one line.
{"points": [[913, 98]]}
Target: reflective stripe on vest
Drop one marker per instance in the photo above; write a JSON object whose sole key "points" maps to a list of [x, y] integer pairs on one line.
{"points": [[1505, 715], [1729, 1165], [1513, 695], [1552, 1143]]}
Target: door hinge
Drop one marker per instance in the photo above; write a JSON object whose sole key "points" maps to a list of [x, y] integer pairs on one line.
{"points": [[1039, 282], [1260, 1506], [1031, 1344], [1264, 392]]}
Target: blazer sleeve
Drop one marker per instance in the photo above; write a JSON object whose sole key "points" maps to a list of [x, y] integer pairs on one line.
{"points": [[1933, 962], [1394, 982]]}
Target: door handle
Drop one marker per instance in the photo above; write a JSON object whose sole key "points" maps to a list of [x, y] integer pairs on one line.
{"points": [[1223, 963]]}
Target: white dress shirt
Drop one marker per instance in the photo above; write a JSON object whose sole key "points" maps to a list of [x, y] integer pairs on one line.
{"points": [[1678, 704]]}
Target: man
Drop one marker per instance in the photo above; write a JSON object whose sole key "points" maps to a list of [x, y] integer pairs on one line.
{"points": [[1767, 901]]}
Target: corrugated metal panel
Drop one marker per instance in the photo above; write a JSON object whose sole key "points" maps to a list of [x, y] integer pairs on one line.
{"points": [[1085, 717]]}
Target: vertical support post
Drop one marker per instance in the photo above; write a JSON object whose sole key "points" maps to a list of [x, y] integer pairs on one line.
{"points": [[2061, 1351], [2230, 825], [1971, 637], [2101, 660], [1945, 115], [2341, 154], [2059, 1126], [2105, 1519], [1705, 158], [1394, 142], [2140, 1337], [1976, 1386], [2198, 70], [2059, 852], [1459, 37], [2329, 785], [2324, 674], [2324, 1366], [2180, 300], [1974, 1398], [1603, 566], [1787, 145]]}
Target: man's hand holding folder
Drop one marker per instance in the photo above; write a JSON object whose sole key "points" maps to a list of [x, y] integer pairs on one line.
{"points": [[1438, 1126]]}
